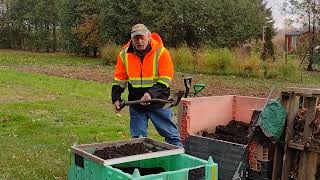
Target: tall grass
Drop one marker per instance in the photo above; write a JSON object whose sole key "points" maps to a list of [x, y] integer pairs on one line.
{"points": [[216, 61], [223, 61], [183, 59], [288, 71], [250, 66], [233, 62]]}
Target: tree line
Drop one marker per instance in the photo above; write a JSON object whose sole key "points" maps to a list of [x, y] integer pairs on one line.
{"points": [[83, 26]]}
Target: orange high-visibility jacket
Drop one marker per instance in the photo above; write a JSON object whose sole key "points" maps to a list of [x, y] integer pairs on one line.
{"points": [[142, 75]]}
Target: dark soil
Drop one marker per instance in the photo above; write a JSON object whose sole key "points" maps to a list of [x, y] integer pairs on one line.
{"points": [[235, 132], [126, 150], [142, 171]]}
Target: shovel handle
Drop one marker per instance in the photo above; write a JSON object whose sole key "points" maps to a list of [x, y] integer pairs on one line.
{"points": [[124, 103], [187, 85], [146, 101]]}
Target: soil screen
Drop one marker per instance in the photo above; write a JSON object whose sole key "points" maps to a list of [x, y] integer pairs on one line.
{"points": [[129, 150], [126, 150]]}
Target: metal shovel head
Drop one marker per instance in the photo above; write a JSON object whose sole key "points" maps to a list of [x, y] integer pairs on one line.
{"points": [[175, 100]]}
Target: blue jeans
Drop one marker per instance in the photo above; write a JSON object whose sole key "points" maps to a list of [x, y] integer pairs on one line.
{"points": [[161, 119]]}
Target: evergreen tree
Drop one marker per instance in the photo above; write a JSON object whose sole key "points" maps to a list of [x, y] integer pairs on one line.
{"points": [[268, 49]]}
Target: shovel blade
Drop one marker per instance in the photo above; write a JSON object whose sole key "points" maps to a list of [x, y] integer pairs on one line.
{"points": [[175, 100]]}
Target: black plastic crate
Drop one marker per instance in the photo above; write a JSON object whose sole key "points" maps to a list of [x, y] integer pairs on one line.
{"points": [[227, 155]]}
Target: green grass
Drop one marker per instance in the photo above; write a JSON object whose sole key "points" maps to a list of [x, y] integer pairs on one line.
{"points": [[10, 57], [42, 116]]}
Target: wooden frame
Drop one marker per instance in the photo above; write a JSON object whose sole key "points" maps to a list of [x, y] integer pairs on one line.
{"points": [[84, 151]]}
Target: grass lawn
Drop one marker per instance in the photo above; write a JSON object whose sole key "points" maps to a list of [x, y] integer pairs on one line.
{"points": [[41, 116]]}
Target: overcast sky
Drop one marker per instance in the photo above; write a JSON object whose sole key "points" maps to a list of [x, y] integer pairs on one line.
{"points": [[278, 16]]}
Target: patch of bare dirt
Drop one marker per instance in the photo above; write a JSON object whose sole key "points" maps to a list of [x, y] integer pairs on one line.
{"points": [[216, 87], [104, 74]]}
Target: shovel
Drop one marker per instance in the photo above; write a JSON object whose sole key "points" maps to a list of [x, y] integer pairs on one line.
{"points": [[236, 175], [197, 88], [174, 101]]}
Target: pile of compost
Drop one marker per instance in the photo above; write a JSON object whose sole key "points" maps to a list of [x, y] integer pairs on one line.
{"points": [[235, 131]]}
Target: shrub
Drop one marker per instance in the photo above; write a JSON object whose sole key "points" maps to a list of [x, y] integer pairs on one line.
{"points": [[109, 53]]}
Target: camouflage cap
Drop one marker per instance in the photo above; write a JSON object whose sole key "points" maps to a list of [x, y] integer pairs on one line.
{"points": [[139, 29]]}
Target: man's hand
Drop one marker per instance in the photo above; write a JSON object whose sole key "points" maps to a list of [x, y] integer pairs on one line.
{"points": [[117, 106], [146, 96]]}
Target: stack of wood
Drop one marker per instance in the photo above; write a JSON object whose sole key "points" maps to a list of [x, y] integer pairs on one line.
{"points": [[300, 157], [299, 125], [314, 139]]}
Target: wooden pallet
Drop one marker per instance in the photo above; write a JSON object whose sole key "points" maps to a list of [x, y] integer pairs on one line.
{"points": [[285, 158]]}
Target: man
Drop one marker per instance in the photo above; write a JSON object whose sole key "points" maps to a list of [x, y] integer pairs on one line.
{"points": [[146, 67]]}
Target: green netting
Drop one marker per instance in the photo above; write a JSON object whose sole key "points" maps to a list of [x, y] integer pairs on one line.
{"points": [[272, 120]]}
